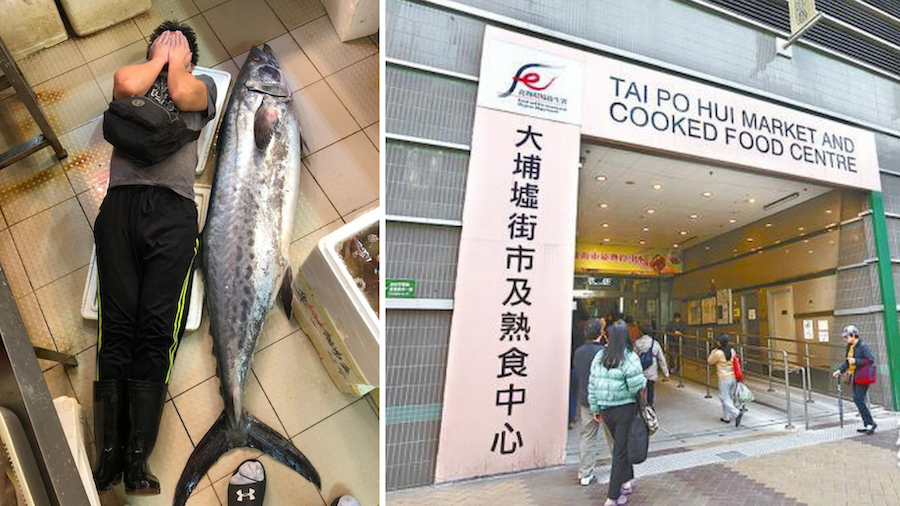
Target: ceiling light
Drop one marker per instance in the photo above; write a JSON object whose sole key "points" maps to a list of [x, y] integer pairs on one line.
{"points": [[606, 239], [601, 178], [604, 206], [675, 245], [734, 250], [706, 248], [657, 186], [749, 239], [787, 250], [768, 225], [806, 240], [646, 229], [651, 211], [642, 242], [707, 195], [751, 200], [810, 251], [828, 211], [830, 242], [605, 225], [694, 216], [801, 229], [732, 220], [782, 200], [683, 232]]}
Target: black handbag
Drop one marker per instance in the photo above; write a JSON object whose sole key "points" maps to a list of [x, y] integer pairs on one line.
{"points": [[145, 131], [644, 424], [638, 440]]}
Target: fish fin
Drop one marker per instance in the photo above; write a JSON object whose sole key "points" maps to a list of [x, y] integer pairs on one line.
{"points": [[264, 124], [211, 447], [262, 437], [199, 263], [286, 293]]}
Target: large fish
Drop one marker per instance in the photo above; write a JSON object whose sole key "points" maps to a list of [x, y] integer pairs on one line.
{"points": [[245, 254]]}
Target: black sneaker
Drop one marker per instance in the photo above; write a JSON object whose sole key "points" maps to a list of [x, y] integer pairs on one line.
{"points": [[345, 500], [737, 420], [870, 429], [247, 486]]}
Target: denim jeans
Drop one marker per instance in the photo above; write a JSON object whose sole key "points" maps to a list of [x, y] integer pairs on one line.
{"points": [[859, 398], [726, 391]]}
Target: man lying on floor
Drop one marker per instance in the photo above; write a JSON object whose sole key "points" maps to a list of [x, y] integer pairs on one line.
{"points": [[147, 240]]}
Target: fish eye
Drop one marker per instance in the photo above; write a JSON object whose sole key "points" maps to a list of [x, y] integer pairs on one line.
{"points": [[256, 57]]}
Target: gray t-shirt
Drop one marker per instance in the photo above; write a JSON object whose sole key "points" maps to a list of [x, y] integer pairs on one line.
{"points": [[177, 171]]}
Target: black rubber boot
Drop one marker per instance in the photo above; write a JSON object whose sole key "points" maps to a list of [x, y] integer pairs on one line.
{"points": [[110, 432], [145, 404]]}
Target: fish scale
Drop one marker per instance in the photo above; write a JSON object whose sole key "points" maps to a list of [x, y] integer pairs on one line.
{"points": [[245, 255]]}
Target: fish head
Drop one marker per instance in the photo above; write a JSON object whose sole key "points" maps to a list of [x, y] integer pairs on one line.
{"points": [[263, 73]]}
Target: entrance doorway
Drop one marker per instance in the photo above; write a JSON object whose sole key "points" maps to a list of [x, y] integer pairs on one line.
{"points": [[734, 252]]}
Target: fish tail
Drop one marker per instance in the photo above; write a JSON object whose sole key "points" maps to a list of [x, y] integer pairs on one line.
{"points": [[211, 447], [219, 439], [262, 437]]}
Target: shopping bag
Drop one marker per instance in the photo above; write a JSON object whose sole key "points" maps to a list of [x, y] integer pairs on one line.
{"points": [[743, 393]]}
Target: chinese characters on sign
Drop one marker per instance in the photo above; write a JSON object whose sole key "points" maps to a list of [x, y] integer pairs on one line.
{"points": [[522, 226], [507, 359]]}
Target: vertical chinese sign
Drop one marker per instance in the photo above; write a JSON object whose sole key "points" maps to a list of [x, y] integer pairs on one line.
{"points": [[506, 390]]}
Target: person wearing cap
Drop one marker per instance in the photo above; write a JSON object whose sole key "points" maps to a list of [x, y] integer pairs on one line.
{"points": [[860, 364], [589, 448]]}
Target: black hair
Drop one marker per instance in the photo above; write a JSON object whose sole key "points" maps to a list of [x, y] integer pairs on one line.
{"points": [[676, 315], [619, 343], [593, 329], [629, 319], [722, 340], [175, 26]]}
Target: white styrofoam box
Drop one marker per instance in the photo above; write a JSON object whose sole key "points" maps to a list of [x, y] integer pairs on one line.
{"points": [[17, 461], [71, 418], [89, 16], [204, 142], [353, 19], [89, 306], [27, 27], [347, 307]]}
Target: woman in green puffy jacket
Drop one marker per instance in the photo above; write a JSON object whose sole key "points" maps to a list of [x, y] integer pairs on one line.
{"points": [[616, 378]]}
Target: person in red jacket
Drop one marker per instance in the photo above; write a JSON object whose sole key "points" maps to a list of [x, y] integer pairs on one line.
{"points": [[860, 363]]}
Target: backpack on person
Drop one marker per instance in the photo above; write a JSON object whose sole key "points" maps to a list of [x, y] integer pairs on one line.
{"points": [[145, 131], [647, 356]]}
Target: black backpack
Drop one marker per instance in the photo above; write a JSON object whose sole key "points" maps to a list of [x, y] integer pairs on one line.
{"points": [[647, 357], [145, 131]]}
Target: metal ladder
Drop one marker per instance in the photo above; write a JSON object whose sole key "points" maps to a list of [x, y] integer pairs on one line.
{"points": [[13, 78]]}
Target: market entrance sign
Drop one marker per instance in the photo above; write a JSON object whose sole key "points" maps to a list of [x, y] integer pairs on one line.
{"points": [[639, 107]]}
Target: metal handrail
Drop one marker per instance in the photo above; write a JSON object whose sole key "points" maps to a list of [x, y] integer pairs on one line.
{"points": [[789, 368]]}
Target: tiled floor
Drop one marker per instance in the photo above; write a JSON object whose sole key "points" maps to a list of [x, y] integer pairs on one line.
{"points": [[48, 208], [856, 470]]}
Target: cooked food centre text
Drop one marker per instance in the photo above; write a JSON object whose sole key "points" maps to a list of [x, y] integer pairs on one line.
{"points": [[646, 106]]}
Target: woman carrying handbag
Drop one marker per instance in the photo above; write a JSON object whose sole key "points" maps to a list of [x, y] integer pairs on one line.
{"points": [[860, 363], [722, 358], [615, 380]]}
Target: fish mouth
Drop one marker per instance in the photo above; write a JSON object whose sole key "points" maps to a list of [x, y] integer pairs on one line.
{"points": [[271, 90]]}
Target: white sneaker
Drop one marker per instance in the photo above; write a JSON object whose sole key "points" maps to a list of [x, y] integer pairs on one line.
{"points": [[586, 481]]}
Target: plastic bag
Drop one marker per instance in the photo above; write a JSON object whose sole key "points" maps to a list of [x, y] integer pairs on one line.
{"points": [[743, 394]]}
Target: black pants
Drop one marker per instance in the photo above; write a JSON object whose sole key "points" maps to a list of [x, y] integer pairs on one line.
{"points": [[650, 385], [147, 241], [619, 419], [859, 398]]}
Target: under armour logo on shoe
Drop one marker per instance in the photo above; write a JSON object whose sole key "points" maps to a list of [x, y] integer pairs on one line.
{"points": [[249, 495]]}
